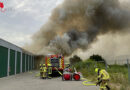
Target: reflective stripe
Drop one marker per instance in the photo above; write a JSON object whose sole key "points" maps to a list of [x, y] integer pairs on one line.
{"points": [[59, 71], [48, 61], [49, 70], [61, 62]]}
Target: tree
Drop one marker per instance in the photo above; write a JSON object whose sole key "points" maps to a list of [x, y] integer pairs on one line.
{"points": [[97, 58], [75, 59]]}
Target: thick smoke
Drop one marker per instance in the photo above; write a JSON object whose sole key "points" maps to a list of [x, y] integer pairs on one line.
{"points": [[75, 24]]}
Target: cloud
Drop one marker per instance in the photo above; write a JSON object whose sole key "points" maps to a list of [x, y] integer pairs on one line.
{"points": [[25, 18], [17, 38]]}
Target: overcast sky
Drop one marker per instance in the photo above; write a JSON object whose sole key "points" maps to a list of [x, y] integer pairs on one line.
{"points": [[23, 18]]}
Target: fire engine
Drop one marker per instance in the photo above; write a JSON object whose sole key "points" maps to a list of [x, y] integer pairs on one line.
{"points": [[57, 62]]}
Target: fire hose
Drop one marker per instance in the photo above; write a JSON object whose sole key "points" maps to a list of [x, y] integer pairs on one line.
{"points": [[38, 74], [59, 71], [86, 82]]}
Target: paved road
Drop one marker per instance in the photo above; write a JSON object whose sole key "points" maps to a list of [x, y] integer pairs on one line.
{"points": [[28, 81]]}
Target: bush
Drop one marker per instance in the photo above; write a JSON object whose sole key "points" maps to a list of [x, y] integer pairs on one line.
{"points": [[75, 59], [97, 58]]}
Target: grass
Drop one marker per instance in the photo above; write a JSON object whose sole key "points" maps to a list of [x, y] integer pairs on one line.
{"points": [[118, 73]]}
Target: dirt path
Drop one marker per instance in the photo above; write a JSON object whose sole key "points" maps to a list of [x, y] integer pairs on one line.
{"points": [[28, 81]]}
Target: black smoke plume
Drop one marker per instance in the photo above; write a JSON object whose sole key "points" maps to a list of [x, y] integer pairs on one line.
{"points": [[75, 24]]}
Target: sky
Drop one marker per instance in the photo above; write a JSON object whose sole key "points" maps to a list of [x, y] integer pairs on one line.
{"points": [[23, 18]]}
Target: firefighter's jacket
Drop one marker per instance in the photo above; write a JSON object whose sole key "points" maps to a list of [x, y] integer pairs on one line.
{"points": [[103, 74], [44, 69]]}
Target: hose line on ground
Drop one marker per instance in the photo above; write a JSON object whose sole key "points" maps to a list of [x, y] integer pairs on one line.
{"points": [[59, 71], [86, 82], [37, 75]]}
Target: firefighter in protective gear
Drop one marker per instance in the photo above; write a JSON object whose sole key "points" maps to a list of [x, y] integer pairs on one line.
{"points": [[103, 79], [41, 72], [44, 70], [49, 70]]}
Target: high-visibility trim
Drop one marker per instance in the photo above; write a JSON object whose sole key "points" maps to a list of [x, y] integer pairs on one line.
{"points": [[59, 71], [63, 62]]}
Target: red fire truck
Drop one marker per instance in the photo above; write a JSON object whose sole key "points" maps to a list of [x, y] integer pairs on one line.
{"points": [[57, 62]]}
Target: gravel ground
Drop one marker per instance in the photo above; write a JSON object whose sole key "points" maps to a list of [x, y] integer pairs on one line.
{"points": [[28, 81]]}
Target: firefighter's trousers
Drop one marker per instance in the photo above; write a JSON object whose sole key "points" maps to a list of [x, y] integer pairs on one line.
{"points": [[104, 85], [44, 74]]}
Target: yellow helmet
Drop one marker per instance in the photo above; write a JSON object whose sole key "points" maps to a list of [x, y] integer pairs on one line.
{"points": [[49, 64], [96, 70], [44, 65]]}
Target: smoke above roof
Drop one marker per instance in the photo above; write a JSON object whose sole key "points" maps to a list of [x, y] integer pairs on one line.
{"points": [[76, 24]]}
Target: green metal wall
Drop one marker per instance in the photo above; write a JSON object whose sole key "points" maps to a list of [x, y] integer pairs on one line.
{"points": [[12, 62], [3, 61], [18, 62], [29, 62], [32, 62], [26, 62], [26, 59], [23, 62]]}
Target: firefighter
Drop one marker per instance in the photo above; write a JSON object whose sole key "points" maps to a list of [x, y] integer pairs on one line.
{"points": [[41, 72], [49, 71], [44, 70], [103, 79]]}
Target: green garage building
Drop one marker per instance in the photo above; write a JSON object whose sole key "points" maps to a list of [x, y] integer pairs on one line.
{"points": [[14, 60]]}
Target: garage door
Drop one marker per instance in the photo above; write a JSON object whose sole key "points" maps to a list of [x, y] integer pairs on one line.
{"points": [[18, 62], [3, 61], [23, 63], [30, 62], [26, 62], [12, 62]]}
